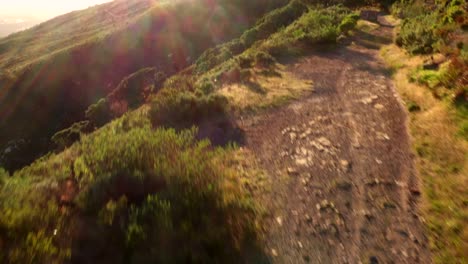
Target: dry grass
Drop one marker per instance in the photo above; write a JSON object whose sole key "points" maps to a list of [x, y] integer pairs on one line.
{"points": [[265, 90], [442, 162]]}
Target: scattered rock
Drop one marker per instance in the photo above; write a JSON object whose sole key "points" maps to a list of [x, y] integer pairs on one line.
{"points": [[301, 162], [404, 253], [292, 136], [324, 142], [274, 253], [279, 220], [400, 184], [324, 203], [366, 101], [292, 171], [382, 136], [299, 243], [345, 165], [379, 106]]}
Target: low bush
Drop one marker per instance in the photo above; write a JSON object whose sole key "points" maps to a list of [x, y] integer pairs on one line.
{"points": [[212, 57], [263, 59], [205, 87], [135, 88], [417, 35], [183, 108], [99, 113], [427, 28], [349, 23], [273, 21], [320, 26], [67, 137], [267, 25], [4, 175]]}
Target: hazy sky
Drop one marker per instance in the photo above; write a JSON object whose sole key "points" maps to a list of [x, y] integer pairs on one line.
{"points": [[43, 8]]}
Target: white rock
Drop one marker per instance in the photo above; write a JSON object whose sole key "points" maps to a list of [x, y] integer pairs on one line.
{"points": [[292, 136], [279, 220], [324, 142]]}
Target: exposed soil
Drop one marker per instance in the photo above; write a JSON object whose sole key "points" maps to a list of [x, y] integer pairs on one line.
{"points": [[345, 189]]}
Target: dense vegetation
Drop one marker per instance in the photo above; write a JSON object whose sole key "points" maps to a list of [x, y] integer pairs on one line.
{"points": [[128, 193], [437, 94], [437, 27]]}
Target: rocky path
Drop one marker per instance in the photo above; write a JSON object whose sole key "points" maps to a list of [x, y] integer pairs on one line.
{"points": [[345, 188]]}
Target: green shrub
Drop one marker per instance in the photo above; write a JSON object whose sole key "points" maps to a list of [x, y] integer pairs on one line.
{"points": [[431, 78], [410, 8], [172, 203], [134, 88], [206, 87], [99, 113], [172, 108], [212, 57], [267, 25], [318, 26], [413, 107], [67, 137], [146, 196], [263, 59], [245, 61], [427, 28], [180, 82], [417, 35], [273, 21], [349, 23], [4, 175], [159, 79]]}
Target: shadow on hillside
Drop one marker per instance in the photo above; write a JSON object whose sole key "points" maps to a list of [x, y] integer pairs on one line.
{"points": [[221, 131], [255, 87]]}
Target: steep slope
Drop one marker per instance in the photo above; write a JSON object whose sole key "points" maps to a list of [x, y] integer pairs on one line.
{"points": [[57, 69]]}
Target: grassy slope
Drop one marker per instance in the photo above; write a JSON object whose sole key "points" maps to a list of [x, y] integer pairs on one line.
{"points": [[437, 99], [442, 161], [57, 75], [437, 126]]}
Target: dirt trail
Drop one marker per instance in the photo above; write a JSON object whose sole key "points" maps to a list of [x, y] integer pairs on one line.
{"points": [[345, 188]]}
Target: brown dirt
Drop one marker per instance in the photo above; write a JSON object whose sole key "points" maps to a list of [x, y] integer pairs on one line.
{"points": [[345, 189]]}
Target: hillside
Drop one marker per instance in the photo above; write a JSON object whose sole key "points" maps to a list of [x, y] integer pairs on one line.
{"points": [[59, 68], [305, 132]]}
